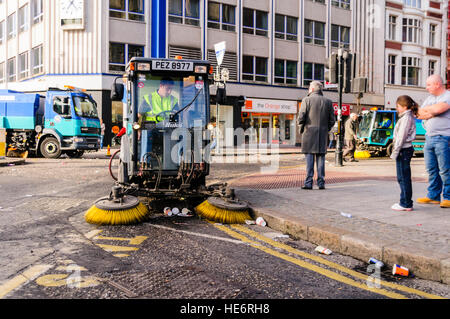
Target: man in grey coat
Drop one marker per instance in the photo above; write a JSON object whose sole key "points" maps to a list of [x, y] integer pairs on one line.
{"points": [[316, 118]]}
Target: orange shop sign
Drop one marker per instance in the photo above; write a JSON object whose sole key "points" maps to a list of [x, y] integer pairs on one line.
{"points": [[270, 106]]}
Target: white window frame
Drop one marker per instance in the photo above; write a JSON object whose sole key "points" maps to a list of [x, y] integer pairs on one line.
{"points": [[11, 26], [37, 11], [24, 20], [37, 68], [24, 65]]}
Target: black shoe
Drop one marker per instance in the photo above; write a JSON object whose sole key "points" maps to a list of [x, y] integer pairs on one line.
{"points": [[345, 160], [354, 160], [306, 187], [322, 187]]}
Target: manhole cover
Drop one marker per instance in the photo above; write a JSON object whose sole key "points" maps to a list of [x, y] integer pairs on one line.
{"points": [[175, 283]]}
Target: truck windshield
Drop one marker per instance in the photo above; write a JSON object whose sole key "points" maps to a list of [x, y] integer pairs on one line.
{"points": [[158, 96], [84, 106], [365, 124]]}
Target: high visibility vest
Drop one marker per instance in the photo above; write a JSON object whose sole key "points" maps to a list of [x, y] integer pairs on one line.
{"points": [[158, 105]]}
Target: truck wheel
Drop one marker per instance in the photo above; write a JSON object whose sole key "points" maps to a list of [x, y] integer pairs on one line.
{"points": [[50, 148], [389, 149]]}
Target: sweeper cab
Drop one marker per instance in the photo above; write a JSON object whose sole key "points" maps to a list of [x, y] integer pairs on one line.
{"points": [[165, 152]]}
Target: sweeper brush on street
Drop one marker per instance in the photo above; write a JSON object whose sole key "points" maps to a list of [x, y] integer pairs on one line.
{"points": [[165, 151]]}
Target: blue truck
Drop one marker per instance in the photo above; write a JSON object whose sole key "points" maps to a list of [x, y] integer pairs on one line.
{"points": [[376, 132], [61, 122]]}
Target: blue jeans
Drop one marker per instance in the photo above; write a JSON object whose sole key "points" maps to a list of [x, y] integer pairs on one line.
{"points": [[320, 162], [403, 162], [437, 163]]}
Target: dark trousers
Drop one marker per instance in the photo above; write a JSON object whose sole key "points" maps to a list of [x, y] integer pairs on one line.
{"points": [[403, 162], [319, 159]]}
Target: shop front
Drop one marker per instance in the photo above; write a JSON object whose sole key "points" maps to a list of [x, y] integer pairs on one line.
{"points": [[269, 121]]}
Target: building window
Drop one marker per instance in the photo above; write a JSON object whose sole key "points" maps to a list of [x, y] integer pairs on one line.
{"points": [[127, 9], [432, 36], [413, 3], [286, 27], [37, 60], [2, 72], [314, 32], [24, 66], [12, 70], [12, 29], [121, 53], [37, 11], [255, 22], [392, 28], [313, 72], [412, 31], [2, 31], [340, 36], [184, 11], [221, 16], [23, 18], [410, 71], [391, 69], [431, 67], [254, 68], [344, 4], [319, 1], [285, 72]]}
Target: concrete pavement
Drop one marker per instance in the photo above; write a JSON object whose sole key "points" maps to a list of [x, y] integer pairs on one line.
{"points": [[418, 240], [5, 161]]}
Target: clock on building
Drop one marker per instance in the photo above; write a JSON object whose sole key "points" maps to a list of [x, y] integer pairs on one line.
{"points": [[71, 14]]}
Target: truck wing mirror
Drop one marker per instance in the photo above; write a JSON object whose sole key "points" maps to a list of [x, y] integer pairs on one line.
{"points": [[117, 91]]}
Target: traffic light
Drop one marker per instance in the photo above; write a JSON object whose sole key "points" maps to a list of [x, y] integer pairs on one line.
{"points": [[349, 66], [332, 73]]}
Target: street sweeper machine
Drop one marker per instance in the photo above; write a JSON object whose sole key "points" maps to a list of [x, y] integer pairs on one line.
{"points": [[165, 151]]}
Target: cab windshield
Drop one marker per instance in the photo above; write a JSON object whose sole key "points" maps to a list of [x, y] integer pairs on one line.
{"points": [[365, 124], [160, 96], [85, 107]]}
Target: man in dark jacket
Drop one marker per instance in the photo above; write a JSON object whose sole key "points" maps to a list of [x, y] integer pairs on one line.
{"points": [[316, 118]]}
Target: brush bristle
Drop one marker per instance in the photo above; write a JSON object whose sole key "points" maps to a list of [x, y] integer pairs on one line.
{"points": [[99, 216], [224, 216]]}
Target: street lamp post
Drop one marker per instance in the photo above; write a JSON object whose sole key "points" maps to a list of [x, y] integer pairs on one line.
{"points": [[338, 154]]}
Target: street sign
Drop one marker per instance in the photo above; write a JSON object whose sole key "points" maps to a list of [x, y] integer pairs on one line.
{"points": [[329, 85], [220, 51], [345, 109]]}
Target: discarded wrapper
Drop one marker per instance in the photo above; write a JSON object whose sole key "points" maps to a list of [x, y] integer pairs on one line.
{"points": [[400, 270], [250, 222], [261, 222], [323, 250], [175, 211], [167, 211], [346, 215], [185, 213]]}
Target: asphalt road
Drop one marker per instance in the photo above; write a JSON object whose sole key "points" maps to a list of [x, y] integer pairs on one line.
{"points": [[48, 251]]}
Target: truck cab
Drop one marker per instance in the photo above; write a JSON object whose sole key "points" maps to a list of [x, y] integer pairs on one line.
{"points": [[166, 113], [71, 118], [376, 132]]}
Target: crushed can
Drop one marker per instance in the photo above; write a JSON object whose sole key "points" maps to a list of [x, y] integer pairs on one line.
{"points": [[376, 262], [400, 270]]}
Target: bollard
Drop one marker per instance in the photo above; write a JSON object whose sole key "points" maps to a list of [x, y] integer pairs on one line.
{"points": [[108, 152]]}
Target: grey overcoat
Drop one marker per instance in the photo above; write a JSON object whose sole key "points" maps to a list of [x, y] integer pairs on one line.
{"points": [[316, 118]]}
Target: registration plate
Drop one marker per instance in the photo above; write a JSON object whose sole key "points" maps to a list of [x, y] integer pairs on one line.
{"points": [[172, 65], [91, 145]]}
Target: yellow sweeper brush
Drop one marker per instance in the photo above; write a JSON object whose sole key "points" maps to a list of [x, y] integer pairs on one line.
{"points": [[117, 209], [223, 210]]}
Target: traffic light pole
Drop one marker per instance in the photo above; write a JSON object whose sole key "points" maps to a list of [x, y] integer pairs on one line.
{"points": [[339, 141]]}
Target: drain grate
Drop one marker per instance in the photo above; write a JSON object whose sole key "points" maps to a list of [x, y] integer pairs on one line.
{"points": [[296, 178], [175, 283]]}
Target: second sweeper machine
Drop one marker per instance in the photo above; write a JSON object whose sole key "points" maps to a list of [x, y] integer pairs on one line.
{"points": [[165, 152]]}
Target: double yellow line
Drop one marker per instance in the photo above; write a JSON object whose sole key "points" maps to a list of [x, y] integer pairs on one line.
{"points": [[361, 279]]}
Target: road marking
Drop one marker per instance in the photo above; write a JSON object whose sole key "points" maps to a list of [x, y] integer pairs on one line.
{"points": [[332, 264], [18, 281], [132, 241], [317, 269], [92, 233], [114, 249], [199, 235]]}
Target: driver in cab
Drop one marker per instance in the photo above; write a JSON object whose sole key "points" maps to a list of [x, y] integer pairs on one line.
{"points": [[152, 110], [158, 102]]}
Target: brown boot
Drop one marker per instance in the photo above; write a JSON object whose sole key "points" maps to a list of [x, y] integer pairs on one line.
{"points": [[426, 200], [445, 203]]}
